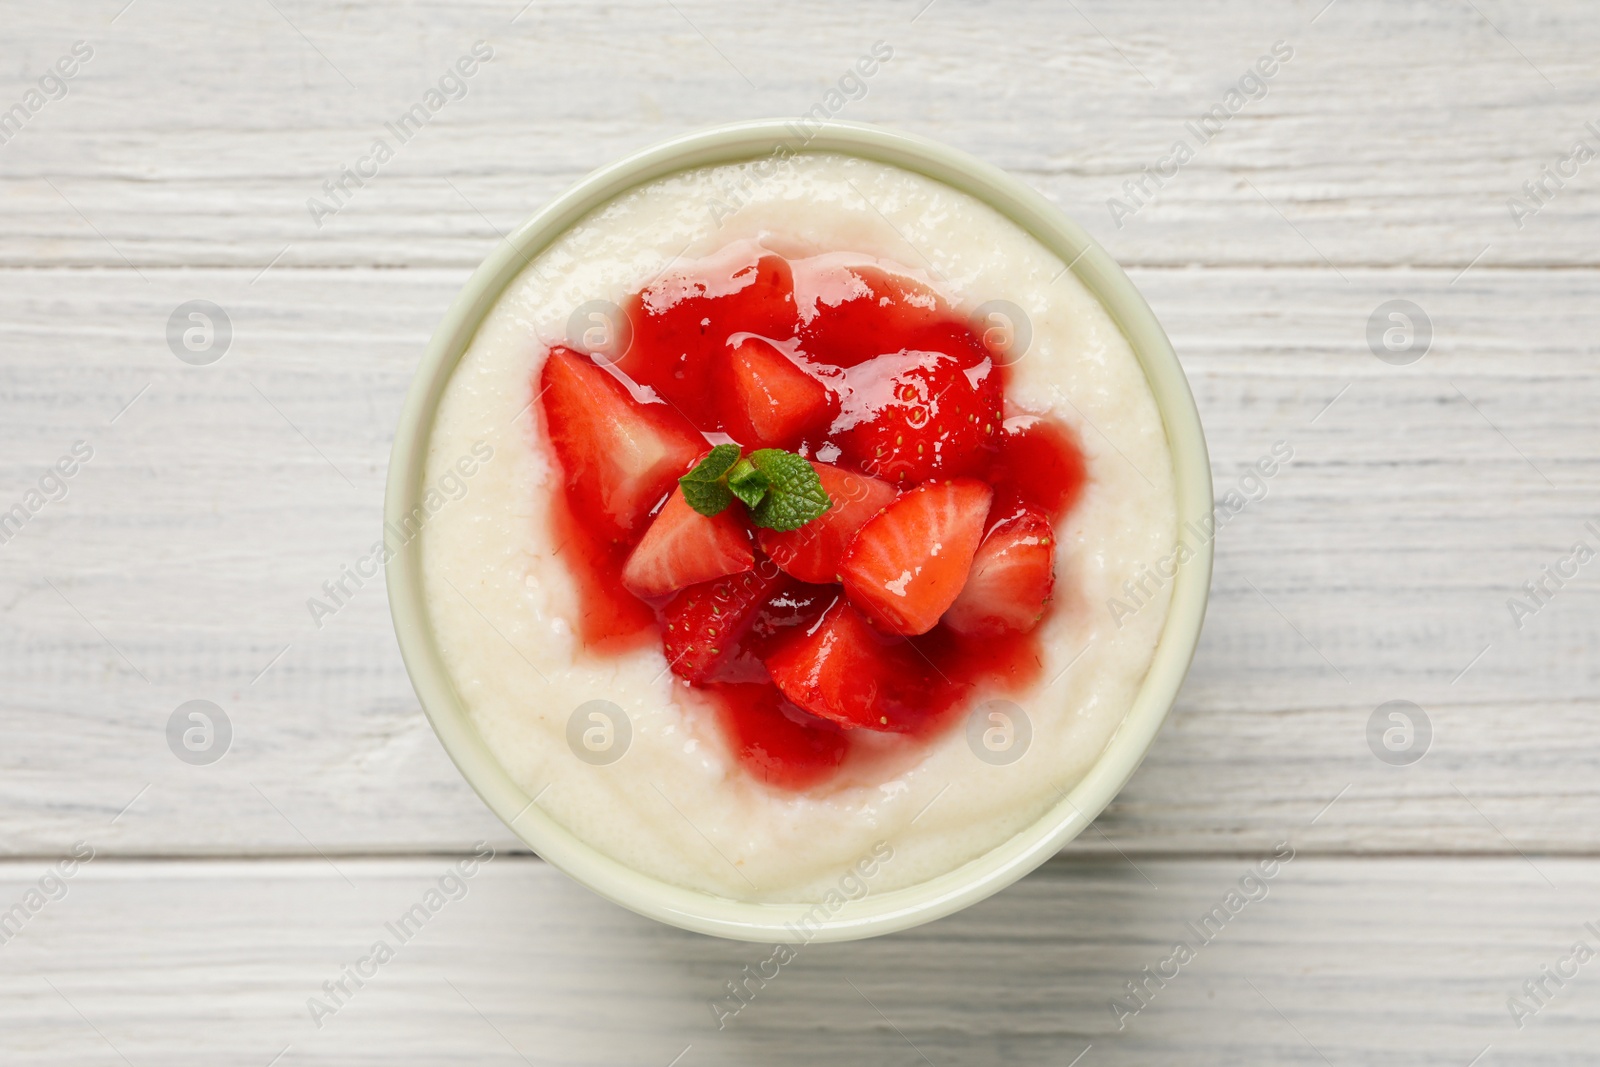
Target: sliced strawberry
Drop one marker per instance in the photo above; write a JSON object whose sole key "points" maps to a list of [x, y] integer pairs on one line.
{"points": [[812, 552], [922, 413], [701, 626], [792, 604], [681, 323], [619, 457], [908, 564], [1011, 579], [772, 402], [850, 314], [776, 742], [683, 547], [842, 669]]}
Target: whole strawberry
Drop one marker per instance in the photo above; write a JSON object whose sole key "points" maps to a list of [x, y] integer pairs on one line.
{"points": [[920, 413]]}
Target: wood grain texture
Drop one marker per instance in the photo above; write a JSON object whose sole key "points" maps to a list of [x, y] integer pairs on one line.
{"points": [[1399, 961], [1395, 134]]}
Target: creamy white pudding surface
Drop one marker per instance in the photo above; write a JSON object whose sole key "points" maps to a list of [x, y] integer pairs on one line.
{"points": [[678, 805]]}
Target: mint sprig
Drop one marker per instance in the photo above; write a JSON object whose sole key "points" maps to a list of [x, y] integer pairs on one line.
{"points": [[794, 495], [706, 487], [748, 483], [780, 489]]}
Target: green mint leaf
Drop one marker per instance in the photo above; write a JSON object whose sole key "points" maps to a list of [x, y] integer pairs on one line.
{"points": [[705, 487], [747, 483], [795, 496], [708, 498]]}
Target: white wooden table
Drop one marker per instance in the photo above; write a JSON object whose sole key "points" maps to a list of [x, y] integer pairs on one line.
{"points": [[1377, 166]]}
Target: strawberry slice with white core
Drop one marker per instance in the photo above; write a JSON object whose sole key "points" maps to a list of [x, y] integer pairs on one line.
{"points": [[1012, 576], [683, 547], [907, 565], [772, 401], [624, 454], [812, 552]]}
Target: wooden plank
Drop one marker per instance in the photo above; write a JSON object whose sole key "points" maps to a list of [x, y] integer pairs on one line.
{"points": [[192, 141], [1381, 961], [1376, 568]]}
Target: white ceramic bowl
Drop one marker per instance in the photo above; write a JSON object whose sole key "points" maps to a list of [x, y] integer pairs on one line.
{"points": [[878, 913]]}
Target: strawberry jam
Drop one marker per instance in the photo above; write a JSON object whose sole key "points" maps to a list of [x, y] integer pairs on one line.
{"points": [[920, 587], [681, 325]]}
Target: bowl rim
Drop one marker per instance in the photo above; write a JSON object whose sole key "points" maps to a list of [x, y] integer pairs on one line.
{"points": [[875, 913]]}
